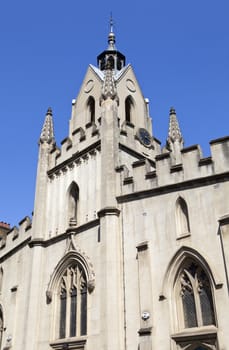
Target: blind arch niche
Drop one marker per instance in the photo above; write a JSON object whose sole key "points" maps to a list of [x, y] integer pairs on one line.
{"points": [[73, 204]]}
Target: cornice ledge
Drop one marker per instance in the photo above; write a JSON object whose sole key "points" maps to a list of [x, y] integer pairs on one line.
{"points": [[224, 220], [68, 343], [205, 332], [145, 331], [108, 211], [219, 140], [164, 189], [190, 148], [13, 250], [83, 227], [162, 156], [74, 157], [36, 242], [142, 246], [135, 154], [72, 230]]}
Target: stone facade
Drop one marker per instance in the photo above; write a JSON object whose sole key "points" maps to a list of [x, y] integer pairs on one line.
{"points": [[128, 247]]}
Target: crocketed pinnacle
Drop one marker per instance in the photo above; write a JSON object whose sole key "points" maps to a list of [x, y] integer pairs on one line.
{"points": [[174, 129], [47, 133], [109, 88]]}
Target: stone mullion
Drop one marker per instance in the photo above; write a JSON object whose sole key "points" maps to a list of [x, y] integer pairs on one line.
{"points": [[197, 302]]}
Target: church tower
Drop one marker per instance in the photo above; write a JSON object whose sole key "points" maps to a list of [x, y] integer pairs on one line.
{"points": [[76, 199], [128, 247]]}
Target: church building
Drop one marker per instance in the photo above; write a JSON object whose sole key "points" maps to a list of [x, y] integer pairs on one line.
{"points": [[128, 246]]}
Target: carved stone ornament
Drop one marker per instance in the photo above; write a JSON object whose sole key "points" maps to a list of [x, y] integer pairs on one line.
{"points": [[130, 85], [89, 86], [71, 246], [73, 253], [91, 285], [48, 296]]}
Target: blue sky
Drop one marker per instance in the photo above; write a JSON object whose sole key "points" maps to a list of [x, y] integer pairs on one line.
{"points": [[179, 50]]}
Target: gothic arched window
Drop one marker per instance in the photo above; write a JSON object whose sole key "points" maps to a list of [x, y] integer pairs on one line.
{"points": [[72, 293], [195, 296], [73, 199], [129, 105], [182, 217], [91, 109], [1, 326]]}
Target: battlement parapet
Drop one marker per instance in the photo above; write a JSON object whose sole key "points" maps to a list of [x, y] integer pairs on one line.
{"points": [[76, 142], [167, 171], [15, 235], [220, 154], [4, 225]]}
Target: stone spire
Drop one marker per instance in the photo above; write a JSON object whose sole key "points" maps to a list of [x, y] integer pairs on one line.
{"points": [[109, 88], [47, 133], [174, 134]]}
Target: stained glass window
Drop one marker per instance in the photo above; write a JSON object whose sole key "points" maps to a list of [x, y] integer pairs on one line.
{"points": [[73, 303], [196, 296]]}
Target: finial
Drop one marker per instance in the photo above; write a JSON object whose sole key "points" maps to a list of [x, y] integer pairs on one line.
{"points": [[47, 133], [172, 111], [49, 111], [174, 129], [175, 141], [111, 36]]}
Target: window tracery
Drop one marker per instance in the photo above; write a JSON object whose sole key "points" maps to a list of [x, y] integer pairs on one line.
{"points": [[196, 296], [73, 302], [73, 279], [195, 309]]}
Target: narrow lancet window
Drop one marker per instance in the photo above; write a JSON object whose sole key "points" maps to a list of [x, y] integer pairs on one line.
{"points": [[91, 109], [129, 109], [73, 204], [182, 217]]}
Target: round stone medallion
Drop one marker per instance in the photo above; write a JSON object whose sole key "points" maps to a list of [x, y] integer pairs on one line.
{"points": [[89, 86], [130, 85]]}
